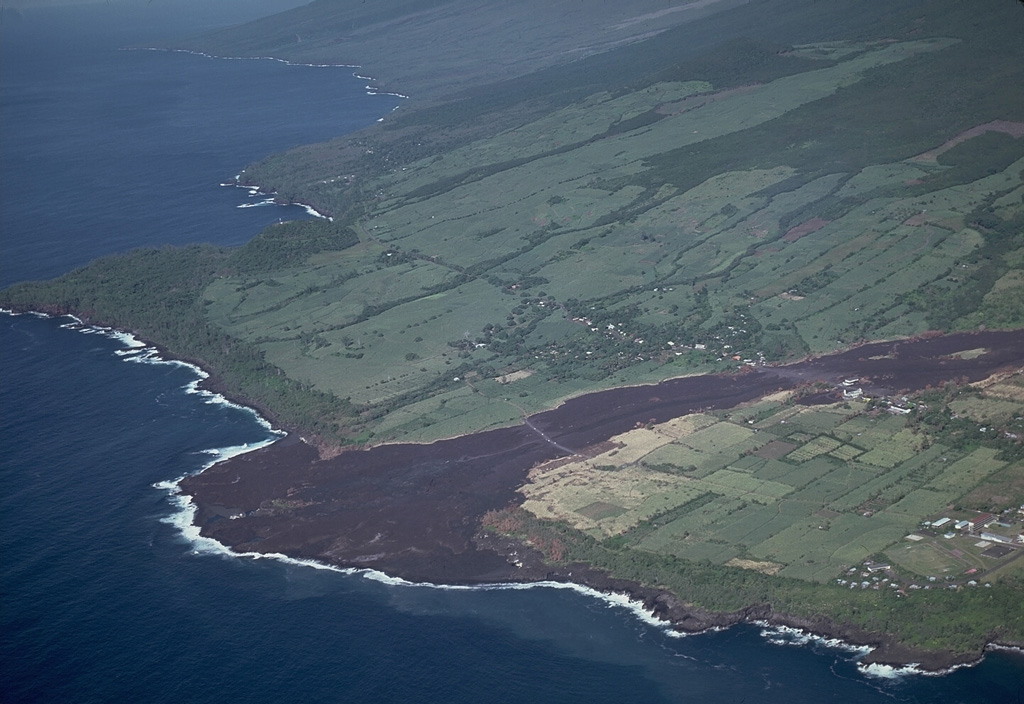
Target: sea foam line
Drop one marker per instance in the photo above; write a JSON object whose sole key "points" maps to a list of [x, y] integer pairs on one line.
{"points": [[139, 352], [244, 58], [892, 672], [788, 635], [183, 519], [370, 89], [269, 199], [258, 204]]}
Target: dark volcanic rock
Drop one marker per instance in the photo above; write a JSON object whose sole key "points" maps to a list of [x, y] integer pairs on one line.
{"points": [[414, 510]]}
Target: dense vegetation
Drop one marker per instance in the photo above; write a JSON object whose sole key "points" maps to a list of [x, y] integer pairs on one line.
{"points": [[158, 294]]}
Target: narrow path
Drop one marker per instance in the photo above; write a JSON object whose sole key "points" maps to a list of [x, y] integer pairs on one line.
{"points": [[544, 436]]}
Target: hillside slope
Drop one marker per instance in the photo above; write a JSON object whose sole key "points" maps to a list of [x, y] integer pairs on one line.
{"points": [[639, 214]]}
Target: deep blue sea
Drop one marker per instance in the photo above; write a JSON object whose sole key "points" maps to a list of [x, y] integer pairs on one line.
{"points": [[103, 597]]}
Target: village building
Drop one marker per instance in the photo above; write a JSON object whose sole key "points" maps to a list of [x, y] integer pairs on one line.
{"points": [[996, 538], [981, 522]]}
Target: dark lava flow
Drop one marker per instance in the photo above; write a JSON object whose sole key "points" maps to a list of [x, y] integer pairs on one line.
{"points": [[414, 511]]}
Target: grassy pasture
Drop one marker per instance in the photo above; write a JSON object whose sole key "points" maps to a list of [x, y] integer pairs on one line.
{"points": [[1009, 570], [717, 437], [773, 470], [882, 176], [876, 487], [827, 488], [740, 485], [781, 216], [696, 522], [868, 430], [677, 455], [686, 425], [775, 449], [923, 558], [748, 464], [887, 259], [752, 524], [464, 413], [899, 448], [695, 549], [957, 478], [1000, 490], [846, 452], [919, 502], [790, 213], [988, 408], [560, 491], [802, 474], [820, 445]]}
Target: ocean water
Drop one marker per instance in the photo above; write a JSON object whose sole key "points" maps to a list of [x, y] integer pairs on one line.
{"points": [[104, 598]]}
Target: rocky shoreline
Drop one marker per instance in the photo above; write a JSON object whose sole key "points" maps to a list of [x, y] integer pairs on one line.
{"points": [[882, 648], [450, 548], [415, 511]]}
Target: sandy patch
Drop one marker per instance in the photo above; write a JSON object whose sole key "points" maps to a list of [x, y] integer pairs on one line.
{"points": [[514, 376], [968, 354], [762, 567], [803, 229]]}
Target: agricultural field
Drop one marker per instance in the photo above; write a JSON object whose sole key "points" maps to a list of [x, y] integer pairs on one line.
{"points": [[693, 202], [563, 248], [788, 489]]}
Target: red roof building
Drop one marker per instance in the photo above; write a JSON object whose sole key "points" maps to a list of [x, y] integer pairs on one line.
{"points": [[982, 521]]}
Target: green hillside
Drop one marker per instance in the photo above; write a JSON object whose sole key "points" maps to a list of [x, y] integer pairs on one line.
{"points": [[642, 213]]}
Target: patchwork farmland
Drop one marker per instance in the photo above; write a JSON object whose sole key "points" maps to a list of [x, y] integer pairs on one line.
{"points": [[804, 492]]}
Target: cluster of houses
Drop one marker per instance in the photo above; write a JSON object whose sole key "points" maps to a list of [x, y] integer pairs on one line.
{"points": [[879, 575], [725, 351], [851, 391]]}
